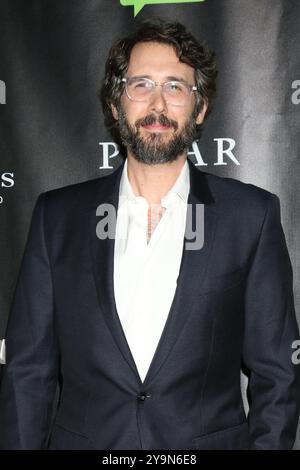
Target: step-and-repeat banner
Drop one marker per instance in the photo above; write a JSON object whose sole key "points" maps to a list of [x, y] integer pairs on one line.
{"points": [[52, 55]]}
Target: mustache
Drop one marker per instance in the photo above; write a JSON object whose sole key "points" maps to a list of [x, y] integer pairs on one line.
{"points": [[151, 119]]}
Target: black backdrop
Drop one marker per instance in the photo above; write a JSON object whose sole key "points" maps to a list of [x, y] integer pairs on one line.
{"points": [[52, 55]]}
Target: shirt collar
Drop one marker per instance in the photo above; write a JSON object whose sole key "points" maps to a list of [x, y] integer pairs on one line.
{"points": [[180, 188]]}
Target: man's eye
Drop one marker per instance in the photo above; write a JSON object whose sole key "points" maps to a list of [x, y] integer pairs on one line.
{"points": [[144, 85], [175, 87]]}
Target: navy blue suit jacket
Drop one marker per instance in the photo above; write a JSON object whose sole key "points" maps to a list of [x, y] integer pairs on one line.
{"points": [[233, 308]]}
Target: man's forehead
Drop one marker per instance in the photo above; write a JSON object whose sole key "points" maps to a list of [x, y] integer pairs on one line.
{"points": [[149, 58]]}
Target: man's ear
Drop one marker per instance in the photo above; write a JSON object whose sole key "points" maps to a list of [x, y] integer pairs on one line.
{"points": [[114, 112], [201, 115]]}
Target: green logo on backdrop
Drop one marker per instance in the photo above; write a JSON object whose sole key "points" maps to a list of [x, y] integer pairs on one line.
{"points": [[139, 4]]}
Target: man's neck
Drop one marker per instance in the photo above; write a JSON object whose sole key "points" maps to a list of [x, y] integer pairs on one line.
{"points": [[153, 181]]}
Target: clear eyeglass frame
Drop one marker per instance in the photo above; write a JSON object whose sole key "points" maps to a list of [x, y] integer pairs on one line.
{"points": [[129, 80]]}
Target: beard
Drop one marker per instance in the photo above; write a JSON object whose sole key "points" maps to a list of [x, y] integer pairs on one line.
{"points": [[154, 149]]}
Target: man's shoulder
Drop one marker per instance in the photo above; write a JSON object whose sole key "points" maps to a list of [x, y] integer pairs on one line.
{"points": [[227, 190], [82, 192], [238, 201]]}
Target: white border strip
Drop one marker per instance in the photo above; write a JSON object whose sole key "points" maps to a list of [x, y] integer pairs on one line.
{"points": [[2, 352]]}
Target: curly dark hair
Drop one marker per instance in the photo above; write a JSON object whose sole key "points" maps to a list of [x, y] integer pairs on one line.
{"points": [[187, 49]]}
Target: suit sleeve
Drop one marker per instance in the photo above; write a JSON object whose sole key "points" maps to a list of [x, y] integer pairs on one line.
{"points": [[270, 330], [30, 375]]}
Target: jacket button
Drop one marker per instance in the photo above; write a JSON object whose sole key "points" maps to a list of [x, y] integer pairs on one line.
{"points": [[143, 396]]}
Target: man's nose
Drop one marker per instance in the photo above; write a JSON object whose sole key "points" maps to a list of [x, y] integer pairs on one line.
{"points": [[157, 101]]}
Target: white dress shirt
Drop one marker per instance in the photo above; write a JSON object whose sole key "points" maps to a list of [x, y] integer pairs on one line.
{"points": [[145, 273]]}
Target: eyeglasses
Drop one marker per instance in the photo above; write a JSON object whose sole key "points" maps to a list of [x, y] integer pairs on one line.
{"points": [[176, 93]]}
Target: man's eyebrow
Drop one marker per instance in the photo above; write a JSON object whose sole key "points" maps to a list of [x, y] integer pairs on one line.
{"points": [[141, 76], [176, 79], [170, 78]]}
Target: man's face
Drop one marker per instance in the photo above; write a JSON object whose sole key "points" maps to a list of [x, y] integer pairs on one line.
{"points": [[155, 131]]}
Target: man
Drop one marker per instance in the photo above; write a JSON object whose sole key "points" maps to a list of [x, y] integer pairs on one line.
{"points": [[145, 328]]}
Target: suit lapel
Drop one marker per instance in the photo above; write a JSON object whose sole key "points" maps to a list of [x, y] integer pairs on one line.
{"points": [[192, 271], [102, 252], [191, 275]]}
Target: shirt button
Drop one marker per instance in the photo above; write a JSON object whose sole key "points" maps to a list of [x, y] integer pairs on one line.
{"points": [[143, 396]]}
